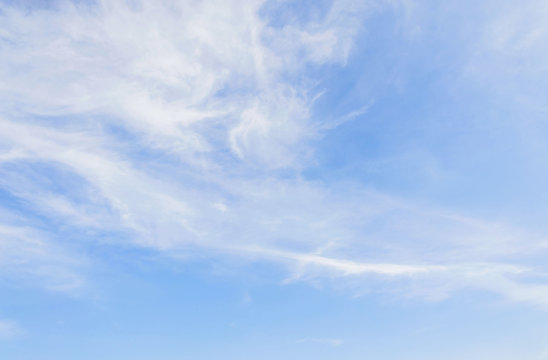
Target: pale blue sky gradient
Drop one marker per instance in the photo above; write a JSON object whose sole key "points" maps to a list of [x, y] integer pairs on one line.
{"points": [[273, 179]]}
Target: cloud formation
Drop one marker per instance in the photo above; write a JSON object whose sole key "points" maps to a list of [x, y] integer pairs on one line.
{"points": [[327, 341], [184, 124], [9, 329]]}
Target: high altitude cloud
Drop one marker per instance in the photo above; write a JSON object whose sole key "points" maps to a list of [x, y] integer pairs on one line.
{"points": [[9, 329], [178, 125]]}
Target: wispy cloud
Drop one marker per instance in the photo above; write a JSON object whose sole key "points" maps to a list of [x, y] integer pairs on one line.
{"points": [[326, 341], [188, 124], [31, 256], [9, 330]]}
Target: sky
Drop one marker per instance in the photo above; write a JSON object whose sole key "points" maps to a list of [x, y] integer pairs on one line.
{"points": [[273, 179]]}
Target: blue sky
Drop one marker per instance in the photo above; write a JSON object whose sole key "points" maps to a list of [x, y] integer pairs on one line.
{"points": [[273, 179]]}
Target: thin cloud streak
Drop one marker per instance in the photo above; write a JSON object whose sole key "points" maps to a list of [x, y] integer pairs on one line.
{"points": [[327, 341], [10, 329]]}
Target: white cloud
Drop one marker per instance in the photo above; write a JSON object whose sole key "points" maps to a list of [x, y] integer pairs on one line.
{"points": [[31, 257], [507, 60], [326, 341], [180, 122], [159, 68], [9, 329]]}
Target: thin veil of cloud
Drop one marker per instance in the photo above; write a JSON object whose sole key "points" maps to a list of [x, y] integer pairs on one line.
{"points": [[327, 341], [188, 124], [9, 329]]}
